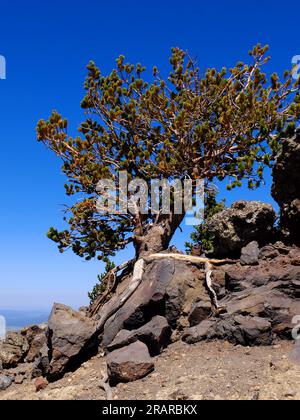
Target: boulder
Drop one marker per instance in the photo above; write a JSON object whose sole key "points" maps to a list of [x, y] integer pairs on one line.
{"points": [[276, 294], [261, 301], [41, 365], [71, 340], [168, 288], [276, 301], [5, 382], [243, 330], [13, 349], [199, 312], [36, 337], [246, 221], [203, 331], [286, 187], [155, 334], [35, 347], [22, 346], [129, 363], [250, 254], [254, 330]]}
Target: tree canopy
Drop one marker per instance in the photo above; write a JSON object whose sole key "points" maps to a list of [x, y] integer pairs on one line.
{"points": [[224, 124]]}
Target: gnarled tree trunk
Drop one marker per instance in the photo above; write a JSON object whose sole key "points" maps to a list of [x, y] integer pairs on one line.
{"points": [[158, 237]]}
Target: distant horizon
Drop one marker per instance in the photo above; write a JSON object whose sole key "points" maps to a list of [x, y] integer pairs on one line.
{"points": [[34, 309], [19, 318], [24, 309]]}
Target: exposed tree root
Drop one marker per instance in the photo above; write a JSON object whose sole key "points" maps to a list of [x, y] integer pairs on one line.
{"points": [[191, 258], [104, 384], [208, 280], [116, 302]]}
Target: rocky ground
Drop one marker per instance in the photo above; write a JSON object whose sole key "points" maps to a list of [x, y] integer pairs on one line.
{"points": [[204, 371], [168, 336]]}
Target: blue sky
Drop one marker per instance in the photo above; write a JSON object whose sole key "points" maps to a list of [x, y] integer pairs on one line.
{"points": [[47, 46]]}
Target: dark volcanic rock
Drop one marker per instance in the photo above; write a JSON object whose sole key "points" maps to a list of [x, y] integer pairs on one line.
{"points": [[274, 301], [269, 291], [129, 363], [236, 279], [155, 334], [254, 330], [168, 288], [41, 365], [250, 254], [70, 340], [200, 311], [203, 331], [286, 187], [261, 301], [235, 227], [36, 337], [246, 331], [35, 346]]}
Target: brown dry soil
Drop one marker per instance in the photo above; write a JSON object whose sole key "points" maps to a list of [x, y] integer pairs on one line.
{"points": [[204, 371]]}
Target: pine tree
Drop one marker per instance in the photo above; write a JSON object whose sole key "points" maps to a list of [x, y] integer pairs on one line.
{"points": [[224, 125]]}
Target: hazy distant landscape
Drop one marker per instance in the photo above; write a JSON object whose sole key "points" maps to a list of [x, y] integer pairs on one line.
{"points": [[17, 319]]}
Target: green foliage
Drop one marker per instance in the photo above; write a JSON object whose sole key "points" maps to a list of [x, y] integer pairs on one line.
{"points": [[223, 125], [100, 286], [201, 236]]}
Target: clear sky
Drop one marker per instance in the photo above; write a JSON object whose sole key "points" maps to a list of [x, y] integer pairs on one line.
{"points": [[47, 45]]}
